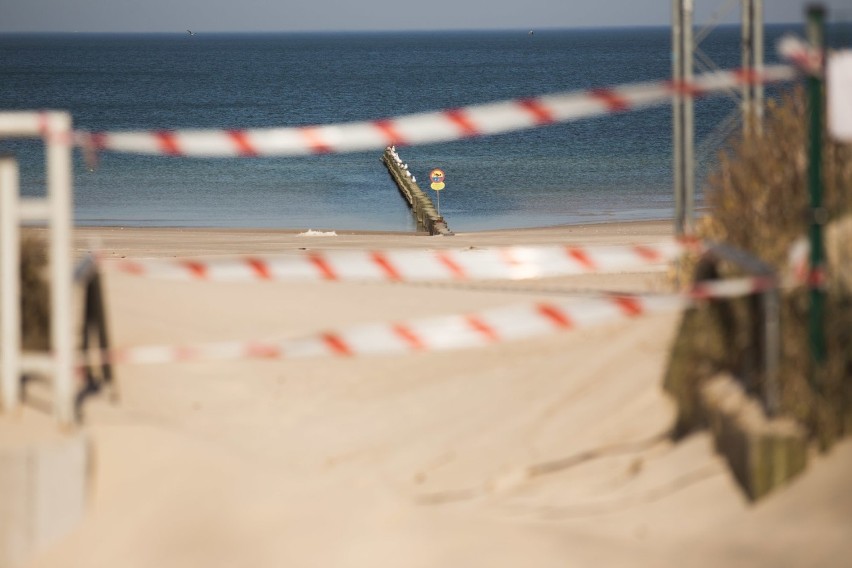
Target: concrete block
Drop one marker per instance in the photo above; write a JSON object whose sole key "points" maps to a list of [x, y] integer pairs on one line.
{"points": [[44, 482], [763, 453]]}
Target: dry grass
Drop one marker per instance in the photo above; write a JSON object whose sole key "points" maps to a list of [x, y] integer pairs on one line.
{"points": [[758, 195], [34, 296], [758, 201]]}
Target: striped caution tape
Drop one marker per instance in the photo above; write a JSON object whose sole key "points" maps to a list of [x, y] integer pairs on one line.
{"points": [[801, 54], [429, 334], [444, 333], [423, 128], [799, 265], [731, 287], [411, 265]]}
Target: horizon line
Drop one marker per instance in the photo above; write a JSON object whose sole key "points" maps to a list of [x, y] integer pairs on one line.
{"points": [[196, 32]]}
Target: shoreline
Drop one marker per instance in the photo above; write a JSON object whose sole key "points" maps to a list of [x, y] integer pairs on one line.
{"points": [[114, 242], [289, 230]]}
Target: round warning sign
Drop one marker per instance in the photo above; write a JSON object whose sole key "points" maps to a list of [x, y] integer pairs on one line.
{"points": [[436, 176]]}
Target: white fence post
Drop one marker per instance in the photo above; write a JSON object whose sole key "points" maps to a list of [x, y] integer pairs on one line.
{"points": [[58, 146], [10, 284]]}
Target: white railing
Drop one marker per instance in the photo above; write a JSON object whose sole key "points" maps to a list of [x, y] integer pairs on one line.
{"points": [[54, 128]]}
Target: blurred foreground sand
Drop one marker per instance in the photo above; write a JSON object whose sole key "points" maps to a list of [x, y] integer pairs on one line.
{"points": [[540, 453]]}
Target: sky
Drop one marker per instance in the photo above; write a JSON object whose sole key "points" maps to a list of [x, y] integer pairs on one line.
{"points": [[116, 16]]}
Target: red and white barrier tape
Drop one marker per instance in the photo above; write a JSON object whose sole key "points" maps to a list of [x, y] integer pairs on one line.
{"points": [[444, 333], [731, 287], [801, 54], [429, 334], [799, 265], [422, 128], [412, 265]]}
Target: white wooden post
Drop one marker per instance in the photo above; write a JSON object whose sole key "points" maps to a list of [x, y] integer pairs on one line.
{"points": [[58, 145], [10, 283]]}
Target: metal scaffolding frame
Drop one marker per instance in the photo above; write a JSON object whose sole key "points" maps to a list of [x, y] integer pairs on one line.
{"points": [[686, 55]]}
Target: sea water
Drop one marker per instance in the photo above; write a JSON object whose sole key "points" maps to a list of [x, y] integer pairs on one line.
{"points": [[616, 167]]}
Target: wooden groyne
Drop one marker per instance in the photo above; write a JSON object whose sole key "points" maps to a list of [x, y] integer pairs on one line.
{"points": [[421, 205]]}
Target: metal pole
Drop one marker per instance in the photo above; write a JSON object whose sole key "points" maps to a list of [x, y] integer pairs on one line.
{"points": [[815, 29], [757, 19], [746, 63], [99, 320], [688, 123], [771, 316], [10, 284], [677, 115], [772, 349], [58, 136]]}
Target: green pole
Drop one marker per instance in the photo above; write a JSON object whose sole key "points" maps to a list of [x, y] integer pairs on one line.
{"points": [[815, 32]]}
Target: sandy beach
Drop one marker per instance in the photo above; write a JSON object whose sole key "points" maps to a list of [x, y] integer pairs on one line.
{"points": [[547, 452]]}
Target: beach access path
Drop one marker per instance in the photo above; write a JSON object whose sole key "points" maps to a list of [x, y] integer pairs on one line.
{"points": [[549, 452]]}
